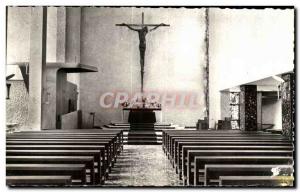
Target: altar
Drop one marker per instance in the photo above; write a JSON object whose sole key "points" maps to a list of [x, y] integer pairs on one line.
{"points": [[141, 115]]}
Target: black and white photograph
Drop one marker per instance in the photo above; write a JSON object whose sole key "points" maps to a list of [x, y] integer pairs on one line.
{"points": [[150, 96]]}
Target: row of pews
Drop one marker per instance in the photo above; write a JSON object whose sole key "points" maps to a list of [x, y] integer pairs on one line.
{"points": [[78, 157], [230, 157]]}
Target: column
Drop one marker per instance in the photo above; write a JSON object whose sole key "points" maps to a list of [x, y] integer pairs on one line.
{"points": [[37, 64], [288, 104], [56, 35], [73, 31], [248, 108], [259, 111]]}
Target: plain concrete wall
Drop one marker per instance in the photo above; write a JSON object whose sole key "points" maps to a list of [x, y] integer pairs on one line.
{"points": [[71, 95], [225, 104], [50, 99], [246, 45], [87, 120], [18, 34], [37, 69], [271, 113], [69, 120], [254, 44], [175, 58]]}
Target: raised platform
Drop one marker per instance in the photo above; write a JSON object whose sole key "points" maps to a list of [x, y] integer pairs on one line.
{"points": [[140, 126], [127, 124], [141, 133]]}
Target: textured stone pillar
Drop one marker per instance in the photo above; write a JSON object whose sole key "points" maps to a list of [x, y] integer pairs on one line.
{"points": [[37, 67], [288, 104], [248, 108], [259, 111]]}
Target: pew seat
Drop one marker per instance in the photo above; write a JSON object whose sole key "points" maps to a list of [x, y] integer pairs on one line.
{"points": [[201, 162], [101, 170], [87, 160], [256, 181], [214, 171], [77, 171], [96, 150], [188, 175], [41, 180]]}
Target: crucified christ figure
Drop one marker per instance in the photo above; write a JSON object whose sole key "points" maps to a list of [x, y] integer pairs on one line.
{"points": [[142, 30]]}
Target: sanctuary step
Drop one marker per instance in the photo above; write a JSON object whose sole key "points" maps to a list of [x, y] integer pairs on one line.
{"points": [[140, 126], [127, 124], [269, 128], [141, 133], [276, 131], [144, 137], [145, 126]]}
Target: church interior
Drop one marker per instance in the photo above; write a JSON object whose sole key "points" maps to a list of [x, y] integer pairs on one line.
{"points": [[150, 97]]}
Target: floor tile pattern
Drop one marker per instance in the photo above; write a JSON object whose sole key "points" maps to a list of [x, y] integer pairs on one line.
{"points": [[143, 165]]}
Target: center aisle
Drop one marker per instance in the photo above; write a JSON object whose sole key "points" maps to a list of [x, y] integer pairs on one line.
{"points": [[143, 165]]}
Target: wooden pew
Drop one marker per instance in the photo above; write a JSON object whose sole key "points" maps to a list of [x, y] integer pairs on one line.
{"points": [[110, 152], [60, 139], [187, 170], [102, 145], [54, 133], [172, 151], [179, 146], [180, 143], [63, 136], [110, 139], [77, 171], [169, 135], [182, 135], [57, 147], [188, 133], [41, 180], [256, 181], [97, 154], [87, 160], [217, 135], [213, 171], [200, 162], [185, 149], [171, 140], [118, 132], [171, 145]]}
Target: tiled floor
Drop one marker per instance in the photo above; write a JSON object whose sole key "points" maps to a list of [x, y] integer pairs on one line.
{"points": [[143, 165]]}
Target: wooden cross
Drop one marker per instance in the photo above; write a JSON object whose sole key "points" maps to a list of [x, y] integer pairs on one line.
{"points": [[142, 30]]}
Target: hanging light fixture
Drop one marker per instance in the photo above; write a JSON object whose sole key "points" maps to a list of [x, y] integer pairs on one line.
{"points": [[8, 85]]}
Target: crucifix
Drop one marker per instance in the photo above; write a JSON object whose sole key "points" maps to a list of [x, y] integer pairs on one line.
{"points": [[142, 30]]}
